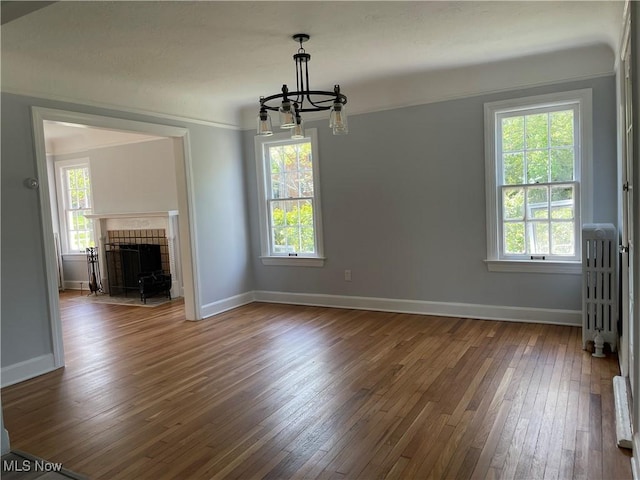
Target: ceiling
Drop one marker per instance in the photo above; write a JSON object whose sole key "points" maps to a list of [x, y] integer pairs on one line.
{"points": [[211, 61], [63, 138]]}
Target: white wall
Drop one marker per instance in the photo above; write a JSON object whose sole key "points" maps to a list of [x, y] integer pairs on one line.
{"points": [[136, 177]]}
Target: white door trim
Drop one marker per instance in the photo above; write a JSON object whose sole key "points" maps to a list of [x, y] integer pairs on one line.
{"points": [[185, 200]]}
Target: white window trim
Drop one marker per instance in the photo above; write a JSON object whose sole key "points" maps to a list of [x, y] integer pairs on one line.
{"points": [[59, 166], [584, 177], [299, 260]]}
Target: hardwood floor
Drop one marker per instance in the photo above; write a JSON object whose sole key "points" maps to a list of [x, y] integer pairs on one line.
{"points": [[278, 391]]}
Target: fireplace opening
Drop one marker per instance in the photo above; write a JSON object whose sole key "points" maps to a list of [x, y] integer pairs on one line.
{"points": [[136, 269]]}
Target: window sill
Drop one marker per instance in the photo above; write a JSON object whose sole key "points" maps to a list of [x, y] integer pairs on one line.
{"points": [[532, 266], [294, 261]]}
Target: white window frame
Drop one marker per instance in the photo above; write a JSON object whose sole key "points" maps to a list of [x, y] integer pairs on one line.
{"points": [[267, 257], [495, 260], [60, 167]]}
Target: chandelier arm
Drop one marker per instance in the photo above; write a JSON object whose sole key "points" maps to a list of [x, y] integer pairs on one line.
{"points": [[333, 97], [322, 107], [332, 100], [336, 97]]}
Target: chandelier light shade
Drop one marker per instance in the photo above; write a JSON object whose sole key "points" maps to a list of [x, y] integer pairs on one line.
{"points": [[290, 105], [287, 114], [338, 119], [264, 123], [297, 133]]}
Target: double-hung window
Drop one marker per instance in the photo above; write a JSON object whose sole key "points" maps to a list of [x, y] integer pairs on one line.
{"points": [[287, 171], [538, 160], [74, 203]]}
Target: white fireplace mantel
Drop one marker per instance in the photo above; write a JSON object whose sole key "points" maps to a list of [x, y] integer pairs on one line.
{"points": [[100, 216], [133, 220]]}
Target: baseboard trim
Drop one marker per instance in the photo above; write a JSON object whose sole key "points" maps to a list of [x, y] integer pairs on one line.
{"points": [[635, 465], [76, 285], [21, 371], [444, 309], [622, 412], [225, 304]]}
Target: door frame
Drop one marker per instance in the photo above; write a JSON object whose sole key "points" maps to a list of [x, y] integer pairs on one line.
{"points": [[184, 183], [626, 357]]}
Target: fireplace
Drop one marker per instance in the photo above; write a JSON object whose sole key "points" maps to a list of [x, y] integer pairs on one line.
{"points": [[138, 263], [145, 243]]}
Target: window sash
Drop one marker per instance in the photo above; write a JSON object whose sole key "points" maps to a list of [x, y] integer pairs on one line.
{"points": [[579, 102], [296, 191], [536, 237], [526, 218], [75, 203], [291, 228]]}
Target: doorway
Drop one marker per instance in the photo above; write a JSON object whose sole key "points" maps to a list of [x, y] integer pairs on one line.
{"points": [[181, 151]]}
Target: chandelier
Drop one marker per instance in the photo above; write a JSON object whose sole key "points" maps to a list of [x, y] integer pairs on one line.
{"points": [[290, 105]]}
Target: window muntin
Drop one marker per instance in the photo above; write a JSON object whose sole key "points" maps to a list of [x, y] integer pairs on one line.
{"points": [[75, 186], [288, 179], [538, 161]]}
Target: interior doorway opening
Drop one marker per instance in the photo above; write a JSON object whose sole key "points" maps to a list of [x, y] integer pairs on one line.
{"points": [[178, 141]]}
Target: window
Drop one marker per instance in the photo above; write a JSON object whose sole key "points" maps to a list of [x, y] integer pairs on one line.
{"points": [[289, 200], [537, 164], [74, 202]]}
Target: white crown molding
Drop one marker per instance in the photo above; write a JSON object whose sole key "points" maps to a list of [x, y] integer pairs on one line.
{"points": [[444, 98], [248, 112], [120, 108]]}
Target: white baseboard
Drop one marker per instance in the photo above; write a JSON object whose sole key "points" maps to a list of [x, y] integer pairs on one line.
{"points": [[623, 414], [445, 309], [635, 464], [76, 285], [176, 289], [19, 372], [225, 304]]}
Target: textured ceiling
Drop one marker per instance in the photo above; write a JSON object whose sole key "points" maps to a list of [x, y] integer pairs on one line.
{"points": [[212, 60]]}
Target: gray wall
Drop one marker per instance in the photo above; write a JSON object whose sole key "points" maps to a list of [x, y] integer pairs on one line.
{"points": [[404, 207], [403, 199], [221, 228]]}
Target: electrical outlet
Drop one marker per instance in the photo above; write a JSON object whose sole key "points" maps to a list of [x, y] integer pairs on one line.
{"points": [[347, 275]]}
